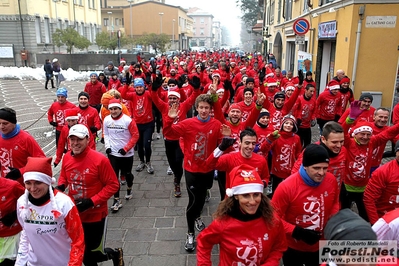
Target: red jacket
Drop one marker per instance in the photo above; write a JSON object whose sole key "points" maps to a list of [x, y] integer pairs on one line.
{"points": [[359, 156], [285, 151], [240, 246], [95, 91], [345, 98], [299, 204], [328, 106], [57, 111], [163, 107], [14, 152], [382, 191], [10, 191], [89, 175], [114, 84], [307, 111], [276, 115], [141, 105], [89, 117], [246, 110], [227, 162], [199, 138]]}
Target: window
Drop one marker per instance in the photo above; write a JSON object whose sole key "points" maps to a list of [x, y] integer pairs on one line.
{"points": [[38, 30], [89, 33], [305, 7], [82, 29], [201, 43], [59, 24], [288, 10], [202, 31], [278, 11], [94, 32], [202, 20], [272, 7], [46, 30], [106, 22], [116, 21]]}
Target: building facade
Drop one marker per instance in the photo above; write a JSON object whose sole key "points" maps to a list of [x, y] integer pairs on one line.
{"points": [[146, 17], [358, 36], [203, 22], [26, 26], [217, 34]]}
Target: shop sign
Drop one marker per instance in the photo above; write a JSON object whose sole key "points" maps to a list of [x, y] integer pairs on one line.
{"points": [[327, 30]]}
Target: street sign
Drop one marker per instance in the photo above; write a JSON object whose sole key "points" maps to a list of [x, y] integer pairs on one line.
{"points": [[300, 39], [301, 26]]}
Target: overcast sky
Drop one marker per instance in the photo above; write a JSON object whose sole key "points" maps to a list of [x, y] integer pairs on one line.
{"points": [[226, 11]]}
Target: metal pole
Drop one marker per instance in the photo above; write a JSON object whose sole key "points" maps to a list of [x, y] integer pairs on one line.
{"points": [[161, 13], [22, 29]]}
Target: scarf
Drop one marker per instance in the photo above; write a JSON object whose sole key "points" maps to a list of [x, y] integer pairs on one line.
{"points": [[13, 133], [306, 178]]}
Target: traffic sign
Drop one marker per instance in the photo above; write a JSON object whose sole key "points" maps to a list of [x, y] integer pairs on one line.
{"points": [[301, 26], [300, 39]]}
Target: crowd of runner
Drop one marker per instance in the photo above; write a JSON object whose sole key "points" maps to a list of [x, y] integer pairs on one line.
{"points": [[240, 120]]}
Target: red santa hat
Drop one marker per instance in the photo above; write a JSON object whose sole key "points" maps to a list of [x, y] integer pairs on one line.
{"points": [[243, 68], [244, 179], [172, 69], [39, 169], [115, 103], [174, 91], [71, 114], [234, 106], [362, 126], [271, 82], [123, 61], [216, 73], [289, 86], [220, 90], [333, 85]]}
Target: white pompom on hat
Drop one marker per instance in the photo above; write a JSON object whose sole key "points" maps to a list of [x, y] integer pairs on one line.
{"points": [[39, 169], [244, 179]]}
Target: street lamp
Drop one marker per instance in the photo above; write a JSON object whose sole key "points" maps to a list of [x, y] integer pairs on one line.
{"points": [[173, 34], [161, 14], [109, 22], [131, 18]]}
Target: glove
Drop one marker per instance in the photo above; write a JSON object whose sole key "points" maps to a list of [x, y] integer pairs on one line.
{"points": [[54, 124], [226, 143], [262, 74], [180, 82], [60, 188], [93, 129], [153, 65], [148, 78], [122, 151], [128, 78], [298, 122], [355, 110], [273, 136], [257, 148], [300, 76], [336, 118], [227, 85], [9, 219], [55, 165], [195, 82], [84, 204], [108, 151], [310, 237], [102, 140], [14, 173], [157, 83]]}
